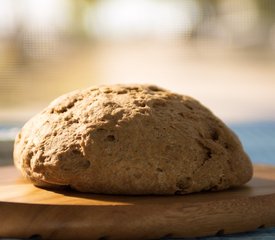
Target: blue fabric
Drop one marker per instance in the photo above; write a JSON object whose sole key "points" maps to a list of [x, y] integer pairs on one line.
{"points": [[258, 140], [260, 234]]}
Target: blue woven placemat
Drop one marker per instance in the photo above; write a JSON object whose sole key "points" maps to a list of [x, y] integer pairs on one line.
{"points": [[258, 140], [260, 234]]}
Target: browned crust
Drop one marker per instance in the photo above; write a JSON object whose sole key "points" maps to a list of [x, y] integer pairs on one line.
{"points": [[135, 139]]}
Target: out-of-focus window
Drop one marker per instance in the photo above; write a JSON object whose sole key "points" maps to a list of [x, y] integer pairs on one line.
{"points": [[220, 52]]}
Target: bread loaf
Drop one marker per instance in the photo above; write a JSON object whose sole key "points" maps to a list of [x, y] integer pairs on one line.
{"points": [[130, 139]]}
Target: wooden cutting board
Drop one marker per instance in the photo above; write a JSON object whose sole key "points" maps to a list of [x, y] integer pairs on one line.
{"points": [[26, 211]]}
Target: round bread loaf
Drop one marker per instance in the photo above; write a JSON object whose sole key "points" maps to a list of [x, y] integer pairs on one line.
{"points": [[130, 139]]}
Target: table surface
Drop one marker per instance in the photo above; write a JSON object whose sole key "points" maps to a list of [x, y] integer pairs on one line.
{"points": [[258, 140], [255, 202]]}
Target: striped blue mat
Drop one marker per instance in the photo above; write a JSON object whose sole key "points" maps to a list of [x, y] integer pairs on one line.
{"points": [[258, 140], [261, 234]]}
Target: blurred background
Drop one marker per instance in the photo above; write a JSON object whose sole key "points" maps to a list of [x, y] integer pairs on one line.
{"points": [[220, 52]]}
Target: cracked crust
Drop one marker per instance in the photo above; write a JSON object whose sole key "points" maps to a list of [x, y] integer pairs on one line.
{"points": [[134, 139]]}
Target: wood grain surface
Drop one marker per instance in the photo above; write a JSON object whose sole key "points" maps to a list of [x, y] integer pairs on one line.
{"points": [[26, 210]]}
